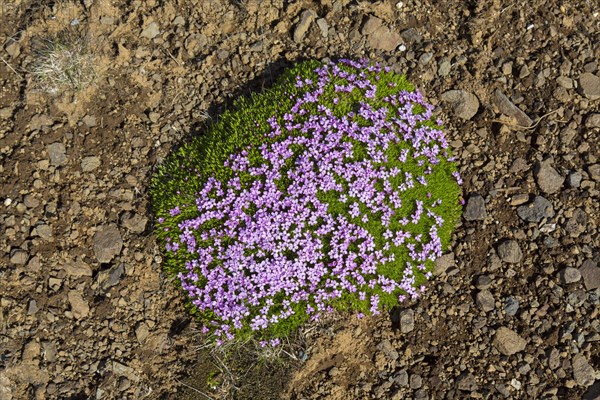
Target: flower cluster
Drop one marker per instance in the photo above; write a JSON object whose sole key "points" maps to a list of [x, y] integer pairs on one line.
{"points": [[347, 201]]}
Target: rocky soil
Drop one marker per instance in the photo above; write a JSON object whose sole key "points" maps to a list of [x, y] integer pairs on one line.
{"points": [[514, 310]]}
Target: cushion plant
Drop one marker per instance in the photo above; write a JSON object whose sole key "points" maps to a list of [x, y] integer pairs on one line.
{"points": [[334, 189]]}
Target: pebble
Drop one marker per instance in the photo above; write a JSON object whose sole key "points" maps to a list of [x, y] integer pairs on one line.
{"points": [[511, 306], [57, 153], [507, 108], [510, 252], [574, 179], [485, 300], [548, 179], [570, 275], [590, 273], [112, 277], [107, 243], [594, 171], [593, 121], [444, 68], [77, 268], [416, 382], [136, 223], [380, 36], [483, 282], [19, 257], [323, 27], [151, 31], [142, 332], [475, 208], [306, 18], [508, 342], [401, 378], [463, 104], [407, 321], [537, 210], [583, 372], [590, 85], [79, 307]]}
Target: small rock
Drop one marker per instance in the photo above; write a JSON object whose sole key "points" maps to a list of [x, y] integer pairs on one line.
{"points": [[574, 179], [306, 19], [483, 282], [50, 351], [593, 121], [407, 321], [77, 268], [577, 224], [507, 108], [40, 121], [466, 382], [511, 306], [13, 49], [590, 273], [136, 224], [537, 210], [401, 378], [107, 243], [151, 31], [510, 252], [19, 257], [570, 275], [548, 179], [519, 199], [31, 350], [583, 372], [386, 347], [508, 342], [89, 164], [519, 165], [475, 208], [57, 153], [6, 112], [593, 393], [32, 307], [589, 85], [44, 231], [79, 307], [379, 36], [411, 35], [463, 104], [111, 277], [444, 68], [416, 382], [142, 332], [443, 263], [89, 121], [123, 370], [594, 171], [371, 25], [485, 300], [323, 27]]}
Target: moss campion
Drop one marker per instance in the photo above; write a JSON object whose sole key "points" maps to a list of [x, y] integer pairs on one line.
{"points": [[334, 189]]}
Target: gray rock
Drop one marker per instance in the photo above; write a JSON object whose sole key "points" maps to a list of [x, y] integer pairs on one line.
{"points": [[123, 370], [371, 25], [583, 372], [380, 36], [89, 121], [548, 179], [443, 263], [44, 231], [32, 308], [485, 300], [537, 210], [79, 307], [483, 282], [401, 378], [89, 164], [507, 108], [107, 243], [386, 347], [590, 273], [570, 275], [151, 31], [111, 277], [593, 393], [475, 208], [411, 35], [142, 331], [508, 342], [466, 382], [57, 153], [444, 67], [407, 321], [510, 252], [574, 179], [306, 18], [416, 382], [577, 224], [589, 85], [463, 104], [136, 223], [511, 306]]}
